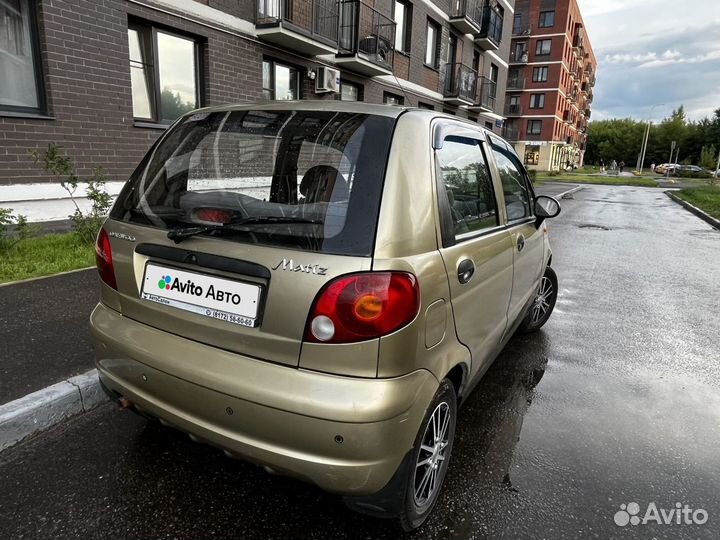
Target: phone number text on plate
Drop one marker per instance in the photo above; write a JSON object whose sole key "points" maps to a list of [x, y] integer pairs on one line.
{"points": [[229, 317]]}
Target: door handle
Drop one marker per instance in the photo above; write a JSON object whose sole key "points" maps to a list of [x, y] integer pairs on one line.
{"points": [[520, 242], [465, 271]]}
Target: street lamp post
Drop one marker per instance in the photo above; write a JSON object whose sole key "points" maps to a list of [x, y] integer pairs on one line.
{"points": [[647, 136]]}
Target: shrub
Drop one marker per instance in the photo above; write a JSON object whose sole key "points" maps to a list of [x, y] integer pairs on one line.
{"points": [[85, 224], [8, 222], [701, 174], [532, 173]]}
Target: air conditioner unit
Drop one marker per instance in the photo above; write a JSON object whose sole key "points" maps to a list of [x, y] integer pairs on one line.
{"points": [[327, 80]]}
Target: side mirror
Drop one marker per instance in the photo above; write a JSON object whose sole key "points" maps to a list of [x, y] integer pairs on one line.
{"points": [[546, 207]]}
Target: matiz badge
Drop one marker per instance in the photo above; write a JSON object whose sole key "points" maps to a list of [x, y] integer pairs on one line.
{"points": [[289, 264], [121, 236]]}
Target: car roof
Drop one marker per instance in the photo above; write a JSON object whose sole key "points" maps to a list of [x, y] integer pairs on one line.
{"points": [[392, 111]]}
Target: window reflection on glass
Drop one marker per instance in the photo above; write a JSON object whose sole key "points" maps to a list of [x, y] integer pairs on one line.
{"points": [[17, 68], [178, 79], [267, 79], [286, 83], [349, 92], [517, 194], [466, 178], [140, 75]]}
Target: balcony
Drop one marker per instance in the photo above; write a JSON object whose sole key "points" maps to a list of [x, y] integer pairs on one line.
{"points": [[490, 33], [366, 39], [513, 109], [589, 97], [519, 56], [522, 29], [588, 112], [533, 136], [306, 26], [511, 133], [486, 97], [572, 98], [516, 83], [466, 16], [460, 85]]}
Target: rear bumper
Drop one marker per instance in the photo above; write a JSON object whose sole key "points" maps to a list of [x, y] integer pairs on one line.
{"points": [[286, 418]]}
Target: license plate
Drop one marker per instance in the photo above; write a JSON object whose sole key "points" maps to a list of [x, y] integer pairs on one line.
{"points": [[224, 299]]}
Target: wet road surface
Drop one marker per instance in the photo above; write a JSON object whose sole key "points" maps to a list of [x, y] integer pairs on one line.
{"points": [[44, 334], [616, 400]]}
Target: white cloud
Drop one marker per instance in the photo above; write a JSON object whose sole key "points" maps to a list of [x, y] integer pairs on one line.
{"points": [[646, 47]]}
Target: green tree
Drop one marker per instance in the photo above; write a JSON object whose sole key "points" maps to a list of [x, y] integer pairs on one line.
{"points": [[708, 157], [172, 106]]}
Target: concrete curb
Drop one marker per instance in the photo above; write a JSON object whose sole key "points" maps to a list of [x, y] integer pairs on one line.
{"points": [[695, 210], [569, 192], [45, 408], [27, 280]]}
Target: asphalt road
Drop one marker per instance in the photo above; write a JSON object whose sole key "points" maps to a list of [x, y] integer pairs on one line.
{"points": [[615, 401], [44, 334]]}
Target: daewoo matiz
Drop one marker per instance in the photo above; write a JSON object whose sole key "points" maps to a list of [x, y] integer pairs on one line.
{"points": [[316, 286]]}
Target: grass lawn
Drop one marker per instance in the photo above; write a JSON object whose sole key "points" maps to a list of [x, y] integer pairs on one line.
{"points": [[606, 180], [44, 255], [707, 198]]}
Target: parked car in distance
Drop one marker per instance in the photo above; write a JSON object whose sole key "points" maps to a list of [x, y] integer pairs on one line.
{"points": [[316, 286], [687, 169], [666, 167]]}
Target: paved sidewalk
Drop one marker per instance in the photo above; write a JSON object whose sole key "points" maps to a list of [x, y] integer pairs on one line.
{"points": [[44, 335]]}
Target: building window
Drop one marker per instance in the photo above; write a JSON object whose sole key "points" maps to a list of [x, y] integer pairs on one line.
{"points": [[403, 28], [534, 127], [547, 19], [517, 24], [537, 101], [532, 155], [432, 44], [542, 48], [489, 125], [21, 87], [280, 82], [392, 99], [350, 91], [540, 74], [164, 73], [427, 106]]}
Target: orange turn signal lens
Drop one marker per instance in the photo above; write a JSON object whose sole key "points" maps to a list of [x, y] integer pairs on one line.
{"points": [[368, 307]]}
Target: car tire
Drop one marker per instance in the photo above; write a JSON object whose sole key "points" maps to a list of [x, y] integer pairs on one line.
{"points": [[543, 303], [422, 485]]}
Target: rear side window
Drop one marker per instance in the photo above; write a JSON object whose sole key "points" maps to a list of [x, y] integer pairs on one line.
{"points": [[518, 197], [308, 180], [465, 179]]}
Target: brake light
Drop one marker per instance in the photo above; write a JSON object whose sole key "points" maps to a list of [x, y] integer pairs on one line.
{"points": [[103, 259], [363, 306]]}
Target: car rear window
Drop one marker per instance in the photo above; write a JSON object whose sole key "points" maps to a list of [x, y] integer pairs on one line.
{"points": [[308, 180]]}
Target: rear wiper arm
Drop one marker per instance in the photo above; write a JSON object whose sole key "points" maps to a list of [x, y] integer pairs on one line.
{"points": [[178, 235]]}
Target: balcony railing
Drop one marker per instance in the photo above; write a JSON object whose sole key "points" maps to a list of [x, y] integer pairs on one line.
{"points": [[490, 34], [314, 18], [588, 112], [516, 83], [460, 82], [513, 109], [366, 32], [466, 15], [522, 29], [533, 136], [511, 133], [521, 56], [487, 93], [589, 97]]}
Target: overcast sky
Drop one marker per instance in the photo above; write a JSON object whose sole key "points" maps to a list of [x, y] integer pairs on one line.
{"points": [[654, 55]]}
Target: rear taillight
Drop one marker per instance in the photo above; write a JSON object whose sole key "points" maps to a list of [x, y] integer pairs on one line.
{"points": [[364, 306], [103, 259]]}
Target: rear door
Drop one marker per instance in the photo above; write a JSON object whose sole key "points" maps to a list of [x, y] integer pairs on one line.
{"points": [[476, 248], [310, 180], [527, 239]]}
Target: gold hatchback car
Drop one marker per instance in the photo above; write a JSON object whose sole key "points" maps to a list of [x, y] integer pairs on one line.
{"points": [[316, 286]]}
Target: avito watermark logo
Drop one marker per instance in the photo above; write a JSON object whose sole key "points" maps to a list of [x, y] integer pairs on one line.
{"points": [[681, 514]]}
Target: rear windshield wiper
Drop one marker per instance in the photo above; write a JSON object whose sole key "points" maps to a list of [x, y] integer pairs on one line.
{"points": [[180, 234]]}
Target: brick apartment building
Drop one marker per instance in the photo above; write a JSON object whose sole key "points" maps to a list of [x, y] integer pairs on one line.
{"points": [[550, 84], [103, 78]]}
